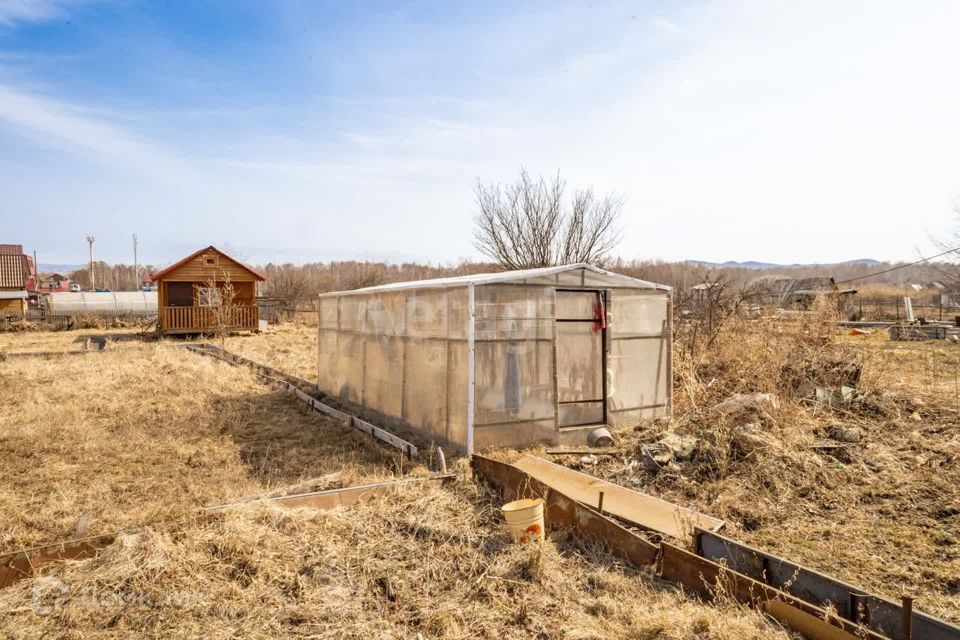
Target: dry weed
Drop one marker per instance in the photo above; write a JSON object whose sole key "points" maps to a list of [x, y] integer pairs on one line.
{"points": [[435, 562], [137, 435]]}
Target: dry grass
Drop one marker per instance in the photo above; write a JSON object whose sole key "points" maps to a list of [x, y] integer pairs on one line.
{"points": [[884, 514], [149, 433], [290, 347], [12, 342], [142, 434], [434, 562], [881, 515]]}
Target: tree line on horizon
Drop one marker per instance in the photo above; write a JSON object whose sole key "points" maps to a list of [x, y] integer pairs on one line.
{"points": [[531, 222]]}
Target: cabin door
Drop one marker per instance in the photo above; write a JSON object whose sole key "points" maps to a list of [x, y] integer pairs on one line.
{"points": [[581, 335]]}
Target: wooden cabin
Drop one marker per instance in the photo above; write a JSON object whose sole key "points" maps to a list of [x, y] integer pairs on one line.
{"points": [[15, 272], [193, 294]]}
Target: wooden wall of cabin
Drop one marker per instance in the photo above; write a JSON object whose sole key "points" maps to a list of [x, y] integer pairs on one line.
{"points": [[11, 307], [172, 292]]}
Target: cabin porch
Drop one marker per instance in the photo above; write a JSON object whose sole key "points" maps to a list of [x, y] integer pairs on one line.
{"points": [[197, 319]]}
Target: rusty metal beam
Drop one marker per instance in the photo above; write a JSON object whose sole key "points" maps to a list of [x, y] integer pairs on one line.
{"points": [[707, 579], [880, 614]]}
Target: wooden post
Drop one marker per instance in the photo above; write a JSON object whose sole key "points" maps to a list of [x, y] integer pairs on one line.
{"points": [[906, 618]]}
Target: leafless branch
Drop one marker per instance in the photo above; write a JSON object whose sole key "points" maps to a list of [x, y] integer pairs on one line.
{"points": [[525, 224]]}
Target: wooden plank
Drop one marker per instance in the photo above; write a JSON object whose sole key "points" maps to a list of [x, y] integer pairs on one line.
{"points": [[583, 452], [635, 507], [22, 564], [562, 511], [29, 562], [287, 381], [332, 498], [810, 626], [707, 578], [44, 354]]}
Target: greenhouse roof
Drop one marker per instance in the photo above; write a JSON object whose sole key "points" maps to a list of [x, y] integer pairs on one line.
{"points": [[588, 276]]}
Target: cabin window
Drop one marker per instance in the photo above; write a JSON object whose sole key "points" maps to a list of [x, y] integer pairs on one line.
{"points": [[209, 261], [208, 297]]}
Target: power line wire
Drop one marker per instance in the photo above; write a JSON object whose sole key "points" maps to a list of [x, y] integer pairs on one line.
{"points": [[902, 266]]}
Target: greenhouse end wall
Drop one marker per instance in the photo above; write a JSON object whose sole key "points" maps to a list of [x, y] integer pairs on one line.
{"points": [[401, 358]]}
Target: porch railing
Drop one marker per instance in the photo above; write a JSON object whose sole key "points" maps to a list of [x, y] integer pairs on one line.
{"points": [[209, 318]]}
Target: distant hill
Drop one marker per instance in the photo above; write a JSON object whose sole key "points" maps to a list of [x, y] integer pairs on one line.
{"points": [[46, 267], [752, 264]]}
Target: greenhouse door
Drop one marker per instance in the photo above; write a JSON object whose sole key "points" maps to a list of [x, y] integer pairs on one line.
{"points": [[581, 334]]}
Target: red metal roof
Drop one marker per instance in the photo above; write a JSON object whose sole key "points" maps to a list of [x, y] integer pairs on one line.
{"points": [[11, 249], [13, 270]]}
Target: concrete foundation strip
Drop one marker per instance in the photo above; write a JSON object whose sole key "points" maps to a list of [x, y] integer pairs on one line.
{"points": [[800, 598], [29, 562], [291, 383]]}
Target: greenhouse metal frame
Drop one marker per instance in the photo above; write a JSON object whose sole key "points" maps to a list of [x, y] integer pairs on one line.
{"points": [[507, 359]]}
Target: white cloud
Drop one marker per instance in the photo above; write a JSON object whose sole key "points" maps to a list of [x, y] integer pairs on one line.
{"points": [[756, 130], [665, 25], [14, 11]]}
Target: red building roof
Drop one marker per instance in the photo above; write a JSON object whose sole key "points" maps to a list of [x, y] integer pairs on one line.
{"points": [[14, 267]]}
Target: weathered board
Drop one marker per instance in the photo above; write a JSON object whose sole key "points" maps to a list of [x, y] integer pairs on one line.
{"points": [[291, 382], [562, 511], [639, 508], [30, 562], [807, 624], [332, 498]]}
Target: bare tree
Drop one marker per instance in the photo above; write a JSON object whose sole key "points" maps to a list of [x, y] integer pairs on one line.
{"points": [[948, 269], [219, 295], [289, 285], [525, 224]]}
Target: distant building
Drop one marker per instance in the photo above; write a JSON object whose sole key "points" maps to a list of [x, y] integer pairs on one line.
{"points": [[57, 283], [16, 270], [795, 292]]}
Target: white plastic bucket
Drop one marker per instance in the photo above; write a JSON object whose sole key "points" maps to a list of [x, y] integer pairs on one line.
{"points": [[524, 519]]}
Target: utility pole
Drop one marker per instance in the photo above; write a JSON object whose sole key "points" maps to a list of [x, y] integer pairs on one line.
{"points": [[93, 277], [136, 266]]}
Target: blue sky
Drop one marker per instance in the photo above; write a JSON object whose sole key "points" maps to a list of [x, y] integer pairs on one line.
{"points": [[301, 131]]}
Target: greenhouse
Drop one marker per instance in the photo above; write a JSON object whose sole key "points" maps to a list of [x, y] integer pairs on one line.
{"points": [[103, 303], [505, 359]]}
